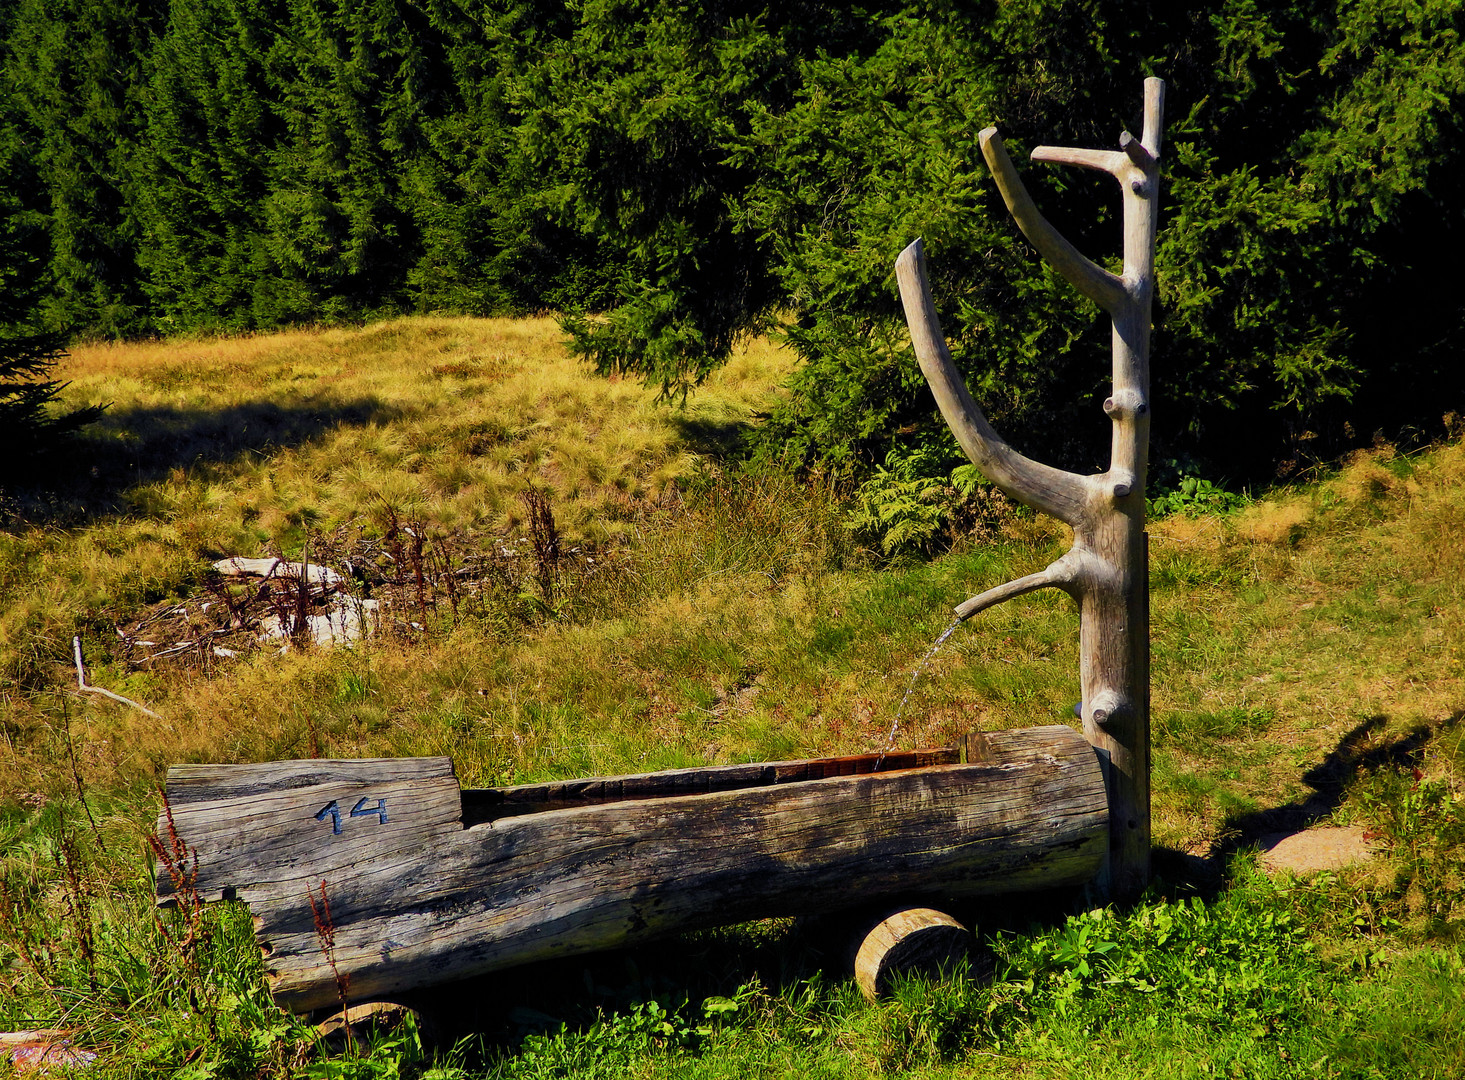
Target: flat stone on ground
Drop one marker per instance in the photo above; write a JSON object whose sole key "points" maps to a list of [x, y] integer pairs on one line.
{"points": [[43, 1051], [1314, 850]]}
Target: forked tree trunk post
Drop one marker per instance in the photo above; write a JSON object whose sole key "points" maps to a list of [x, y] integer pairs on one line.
{"points": [[1107, 569]]}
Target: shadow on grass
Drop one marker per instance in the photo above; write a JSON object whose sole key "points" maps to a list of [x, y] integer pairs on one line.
{"points": [[88, 478], [500, 1010], [1362, 750], [503, 1008], [721, 439]]}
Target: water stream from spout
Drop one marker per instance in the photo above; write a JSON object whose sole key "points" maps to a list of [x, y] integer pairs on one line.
{"points": [[916, 674]]}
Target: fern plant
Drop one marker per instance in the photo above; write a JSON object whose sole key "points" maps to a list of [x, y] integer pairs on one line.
{"points": [[912, 504]]}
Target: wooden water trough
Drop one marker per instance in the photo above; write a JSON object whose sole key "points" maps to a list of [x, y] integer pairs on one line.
{"points": [[383, 874]]}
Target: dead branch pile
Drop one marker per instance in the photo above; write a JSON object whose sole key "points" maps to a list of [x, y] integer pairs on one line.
{"points": [[393, 577]]}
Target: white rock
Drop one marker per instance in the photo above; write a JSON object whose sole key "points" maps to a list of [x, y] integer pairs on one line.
{"points": [[345, 622], [238, 566]]}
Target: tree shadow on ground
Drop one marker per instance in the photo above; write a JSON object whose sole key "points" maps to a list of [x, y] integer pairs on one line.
{"points": [[721, 439], [1367, 748], [88, 479]]}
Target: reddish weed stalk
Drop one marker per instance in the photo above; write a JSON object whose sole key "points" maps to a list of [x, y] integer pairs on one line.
{"points": [[325, 932], [76, 897], [544, 536], [76, 776], [180, 863], [13, 932]]}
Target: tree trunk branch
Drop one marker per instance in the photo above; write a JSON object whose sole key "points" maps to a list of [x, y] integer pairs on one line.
{"points": [[1060, 575], [1098, 284], [1109, 161], [1107, 570], [1043, 487]]}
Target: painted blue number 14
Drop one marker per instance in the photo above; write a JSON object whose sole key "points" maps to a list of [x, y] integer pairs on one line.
{"points": [[333, 811]]}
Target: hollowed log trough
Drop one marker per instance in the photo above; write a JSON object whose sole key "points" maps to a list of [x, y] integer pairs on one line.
{"points": [[426, 883]]}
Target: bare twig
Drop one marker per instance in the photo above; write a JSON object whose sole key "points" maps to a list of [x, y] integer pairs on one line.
{"points": [[186, 646], [81, 684], [76, 777]]}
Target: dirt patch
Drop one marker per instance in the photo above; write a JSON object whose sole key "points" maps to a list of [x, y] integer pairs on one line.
{"points": [[1315, 850]]}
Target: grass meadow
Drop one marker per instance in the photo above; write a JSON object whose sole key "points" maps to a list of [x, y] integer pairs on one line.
{"points": [[580, 579]]}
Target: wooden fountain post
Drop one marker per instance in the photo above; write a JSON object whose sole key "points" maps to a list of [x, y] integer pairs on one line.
{"points": [[1107, 569]]}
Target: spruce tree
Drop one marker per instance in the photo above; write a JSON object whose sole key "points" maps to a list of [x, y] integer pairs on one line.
{"points": [[28, 427], [354, 84], [203, 164], [74, 72]]}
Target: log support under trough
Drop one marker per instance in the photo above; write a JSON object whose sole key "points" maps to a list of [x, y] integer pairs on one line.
{"points": [[911, 941]]}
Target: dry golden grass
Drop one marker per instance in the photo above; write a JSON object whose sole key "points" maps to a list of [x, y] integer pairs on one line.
{"points": [[447, 417], [230, 445]]}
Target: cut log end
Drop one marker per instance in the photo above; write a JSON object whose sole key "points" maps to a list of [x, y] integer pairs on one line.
{"points": [[916, 941], [356, 1025]]}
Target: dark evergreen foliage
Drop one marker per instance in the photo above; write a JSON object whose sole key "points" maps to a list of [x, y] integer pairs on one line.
{"points": [[72, 71], [675, 176], [28, 428]]}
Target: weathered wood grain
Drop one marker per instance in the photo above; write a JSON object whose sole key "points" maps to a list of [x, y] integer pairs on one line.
{"points": [[259, 828], [412, 908]]}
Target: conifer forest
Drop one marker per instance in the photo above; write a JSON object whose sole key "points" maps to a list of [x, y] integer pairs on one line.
{"points": [[673, 178]]}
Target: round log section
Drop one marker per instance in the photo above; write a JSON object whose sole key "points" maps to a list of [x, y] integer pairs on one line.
{"points": [[355, 1026], [916, 941]]}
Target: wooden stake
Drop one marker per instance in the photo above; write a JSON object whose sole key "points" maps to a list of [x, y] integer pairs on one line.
{"points": [[1107, 569]]}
